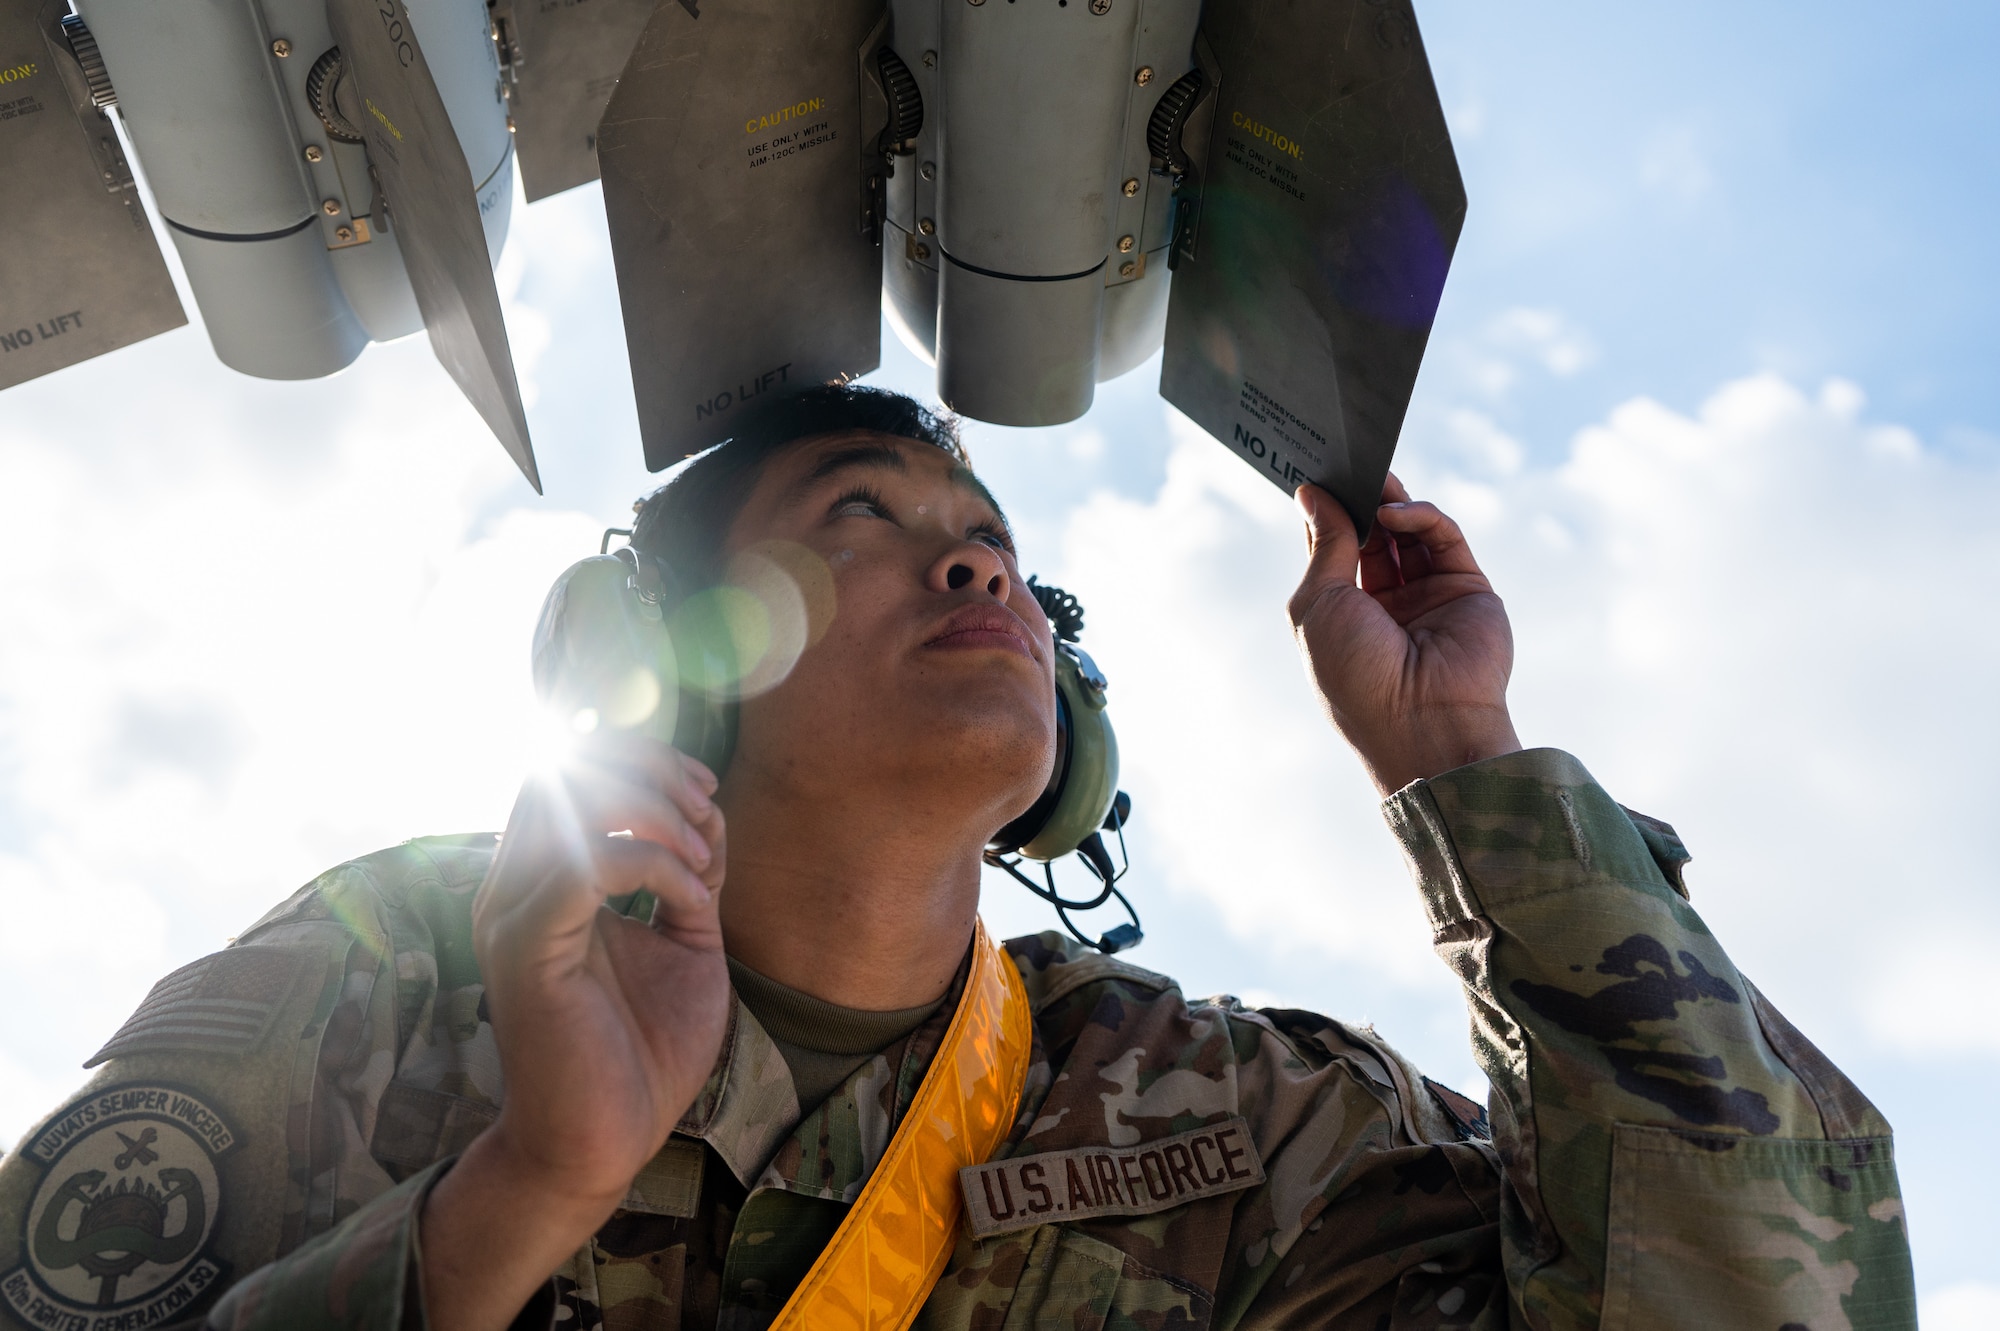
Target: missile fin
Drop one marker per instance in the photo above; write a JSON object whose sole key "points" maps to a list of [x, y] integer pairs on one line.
{"points": [[84, 274], [567, 61], [733, 155], [1328, 204], [433, 211]]}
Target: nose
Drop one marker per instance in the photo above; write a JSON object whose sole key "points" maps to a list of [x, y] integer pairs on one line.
{"points": [[971, 563]]}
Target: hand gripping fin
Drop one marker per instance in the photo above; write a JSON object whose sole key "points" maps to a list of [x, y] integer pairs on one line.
{"points": [[736, 154], [83, 273], [565, 60], [1328, 203], [433, 211]]}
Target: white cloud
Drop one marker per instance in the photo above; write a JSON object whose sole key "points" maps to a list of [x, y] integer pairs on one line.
{"points": [[1771, 622], [1239, 790], [1548, 336], [253, 629], [1490, 362], [1972, 1306], [1672, 163]]}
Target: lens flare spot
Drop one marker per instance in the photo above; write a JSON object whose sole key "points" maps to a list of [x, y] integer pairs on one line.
{"points": [[585, 720], [810, 576], [632, 698], [766, 572], [720, 636]]}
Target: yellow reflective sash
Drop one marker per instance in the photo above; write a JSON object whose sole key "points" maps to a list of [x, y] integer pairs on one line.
{"points": [[890, 1250]]}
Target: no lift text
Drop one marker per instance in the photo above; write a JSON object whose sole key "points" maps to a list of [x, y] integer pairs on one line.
{"points": [[54, 326]]}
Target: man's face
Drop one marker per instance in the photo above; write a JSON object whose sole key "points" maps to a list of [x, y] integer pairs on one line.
{"points": [[933, 684]]}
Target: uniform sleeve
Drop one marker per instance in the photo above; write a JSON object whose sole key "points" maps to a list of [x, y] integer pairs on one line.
{"points": [[225, 1126], [1675, 1152]]}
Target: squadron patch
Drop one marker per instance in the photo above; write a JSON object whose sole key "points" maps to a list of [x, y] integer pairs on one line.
{"points": [[1060, 1186], [118, 1232]]}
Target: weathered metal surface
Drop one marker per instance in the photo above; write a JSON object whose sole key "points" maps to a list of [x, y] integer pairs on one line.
{"points": [[428, 194], [566, 58], [735, 156], [1318, 226], [80, 271]]}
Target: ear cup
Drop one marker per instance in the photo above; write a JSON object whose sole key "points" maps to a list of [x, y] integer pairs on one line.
{"points": [[604, 655], [1072, 807], [600, 659]]}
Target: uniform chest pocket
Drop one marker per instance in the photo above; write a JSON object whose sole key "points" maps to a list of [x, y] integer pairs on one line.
{"points": [[1055, 1279], [1747, 1233]]}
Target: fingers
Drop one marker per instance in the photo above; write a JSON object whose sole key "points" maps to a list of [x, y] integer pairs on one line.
{"points": [[1381, 562], [1409, 542], [621, 812], [650, 765], [1331, 544], [629, 865], [1332, 549], [1427, 541]]}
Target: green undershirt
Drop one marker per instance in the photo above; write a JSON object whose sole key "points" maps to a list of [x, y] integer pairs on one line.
{"points": [[823, 1043]]}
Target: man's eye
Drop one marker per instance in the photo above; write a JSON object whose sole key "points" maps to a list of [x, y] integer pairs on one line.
{"points": [[860, 503], [994, 537]]}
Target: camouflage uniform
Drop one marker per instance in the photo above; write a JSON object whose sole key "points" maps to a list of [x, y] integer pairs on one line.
{"points": [[1665, 1149]]}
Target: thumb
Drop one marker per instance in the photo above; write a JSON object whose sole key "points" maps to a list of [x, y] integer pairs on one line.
{"points": [[1333, 549]]}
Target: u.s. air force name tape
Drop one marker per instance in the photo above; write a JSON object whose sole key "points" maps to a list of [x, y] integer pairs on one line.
{"points": [[1091, 1181], [117, 1235]]}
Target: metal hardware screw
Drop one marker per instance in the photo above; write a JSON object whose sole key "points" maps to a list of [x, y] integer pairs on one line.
{"points": [[927, 170], [930, 60], [1131, 188], [1127, 269], [1100, 6], [281, 48], [313, 153], [343, 233], [1124, 244], [923, 252], [331, 207], [1144, 76], [925, 225]]}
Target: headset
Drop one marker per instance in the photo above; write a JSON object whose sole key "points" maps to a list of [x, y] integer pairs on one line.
{"points": [[610, 651]]}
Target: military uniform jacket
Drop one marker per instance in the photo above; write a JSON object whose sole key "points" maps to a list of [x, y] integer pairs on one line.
{"points": [[1664, 1149]]}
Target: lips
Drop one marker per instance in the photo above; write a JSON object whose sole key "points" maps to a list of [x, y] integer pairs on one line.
{"points": [[985, 627]]}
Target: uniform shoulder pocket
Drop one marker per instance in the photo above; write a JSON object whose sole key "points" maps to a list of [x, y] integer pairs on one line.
{"points": [[1726, 1232]]}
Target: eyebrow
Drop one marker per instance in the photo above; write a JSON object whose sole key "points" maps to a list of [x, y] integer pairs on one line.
{"points": [[962, 477], [884, 456], [888, 457]]}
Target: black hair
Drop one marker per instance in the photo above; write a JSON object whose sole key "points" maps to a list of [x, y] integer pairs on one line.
{"points": [[686, 521]]}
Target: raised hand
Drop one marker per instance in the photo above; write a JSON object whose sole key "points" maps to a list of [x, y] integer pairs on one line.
{"points": [[1404, 637], [608, 1026]]}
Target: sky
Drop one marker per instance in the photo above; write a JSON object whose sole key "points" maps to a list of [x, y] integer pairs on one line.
{"points": [[1711, 390]]}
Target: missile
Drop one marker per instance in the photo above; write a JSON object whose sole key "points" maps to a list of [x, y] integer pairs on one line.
{"points": [[1039, 195], [327, 180]]}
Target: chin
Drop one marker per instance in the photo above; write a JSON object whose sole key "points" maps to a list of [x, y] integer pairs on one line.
{"points": [[1011, 746]]}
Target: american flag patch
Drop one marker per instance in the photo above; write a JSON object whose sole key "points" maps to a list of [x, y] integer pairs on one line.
{"points": [[221, 1004]]}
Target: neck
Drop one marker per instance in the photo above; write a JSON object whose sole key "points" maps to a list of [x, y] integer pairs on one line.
{"points": [[865, 904]]}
